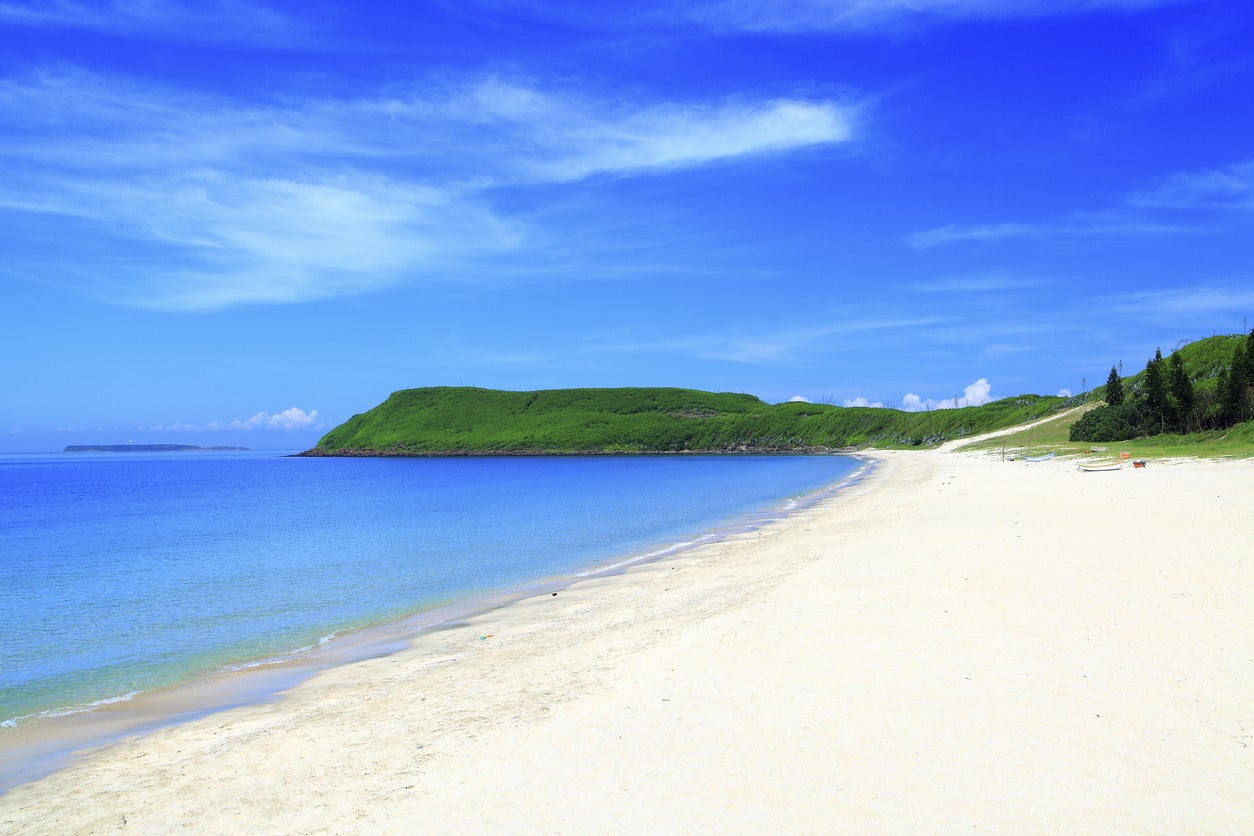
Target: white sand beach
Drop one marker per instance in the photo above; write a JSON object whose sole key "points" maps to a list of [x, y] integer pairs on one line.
{"points": [[956, 644]]}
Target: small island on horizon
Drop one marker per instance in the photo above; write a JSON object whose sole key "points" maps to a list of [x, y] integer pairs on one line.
{"points": [[149, 448]]}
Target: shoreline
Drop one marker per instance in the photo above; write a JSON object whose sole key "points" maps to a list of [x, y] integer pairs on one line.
{"points": [[42, 745], [953, 642], [400, 453]]}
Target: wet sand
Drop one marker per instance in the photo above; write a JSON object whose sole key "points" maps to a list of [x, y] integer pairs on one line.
{"points": [[956, 642]]}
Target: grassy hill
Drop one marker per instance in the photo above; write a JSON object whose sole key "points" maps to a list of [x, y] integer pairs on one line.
{"points": [[1204, 359], [446, 420], [472, 421]]}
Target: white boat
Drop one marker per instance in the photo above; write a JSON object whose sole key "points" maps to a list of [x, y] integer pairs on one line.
{"points": [[1098, 466], [1044, 457]]}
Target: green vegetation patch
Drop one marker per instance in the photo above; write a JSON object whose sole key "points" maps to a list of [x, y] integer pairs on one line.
{"points": [[473, 421], [1202, 387]]}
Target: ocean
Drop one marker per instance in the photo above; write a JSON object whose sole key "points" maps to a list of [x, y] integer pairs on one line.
{"points": [[123, 574]]}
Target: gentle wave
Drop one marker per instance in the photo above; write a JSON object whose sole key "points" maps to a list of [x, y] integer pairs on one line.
{"points": [[68, 711]]}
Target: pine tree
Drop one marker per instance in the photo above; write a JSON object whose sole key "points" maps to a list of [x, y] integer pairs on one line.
{"points": [[1156, 389], [1243, 364], [1232, 395], [1181, 391], [1114, 388]]}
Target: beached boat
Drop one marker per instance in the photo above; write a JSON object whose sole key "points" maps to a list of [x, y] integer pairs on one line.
{"points": [[1044, 457], [1098, 466]]}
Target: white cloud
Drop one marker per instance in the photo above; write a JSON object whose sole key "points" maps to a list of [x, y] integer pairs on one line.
{"points": [[1142, 212], [798, 399], [676, 137], [1077, 225], [1223, 188], [913, 403], [974, 394], [793, 344], [187, 20], [1064, 393], [861, 401], [977, 394], [862, 15], [955, 233], [292, 418], [1213, 300], [311, 199], [973, 284]]}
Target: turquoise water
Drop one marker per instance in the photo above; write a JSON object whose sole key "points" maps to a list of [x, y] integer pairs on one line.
{"points": [[125, 573]]}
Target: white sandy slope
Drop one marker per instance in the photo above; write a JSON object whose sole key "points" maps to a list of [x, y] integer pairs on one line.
{"points": [[957, 644]]}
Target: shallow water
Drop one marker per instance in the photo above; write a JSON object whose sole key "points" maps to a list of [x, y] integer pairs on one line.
{"points": [[125, 573]]}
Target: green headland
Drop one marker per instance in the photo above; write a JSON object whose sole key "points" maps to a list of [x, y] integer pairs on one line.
{"points": [[471, 421], [1207, 408]]}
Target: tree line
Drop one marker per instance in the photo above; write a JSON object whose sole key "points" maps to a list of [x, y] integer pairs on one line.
{"points": [[1166, 399]]}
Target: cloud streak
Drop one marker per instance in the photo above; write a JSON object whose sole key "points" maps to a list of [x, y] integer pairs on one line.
{"points": [[1214, 301], [268, 202], [1228, 188], [857, 16], [672, 137], [795, 344], [188, 20], [978, 233], [1148, 211]]}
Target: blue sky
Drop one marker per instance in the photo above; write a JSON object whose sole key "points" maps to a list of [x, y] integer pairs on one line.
{"points": [[241, 223]]}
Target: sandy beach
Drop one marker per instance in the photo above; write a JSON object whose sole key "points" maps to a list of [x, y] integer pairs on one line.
{"points": [[956, 643]]}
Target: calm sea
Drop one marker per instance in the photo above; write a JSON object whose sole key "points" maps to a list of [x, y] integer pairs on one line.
{"points": [[125, 573]]}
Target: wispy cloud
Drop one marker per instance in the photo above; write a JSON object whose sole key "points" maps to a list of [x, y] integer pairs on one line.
{"points": [[526, 132], [957, 234], [1093, 225], [1230, 188], [1142, 212], [679, 137], [1214, 301], [996, 283], [185, 20], [297, 200], [866, 15], [751, 344]]}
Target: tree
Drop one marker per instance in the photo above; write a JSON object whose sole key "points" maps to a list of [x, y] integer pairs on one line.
{"points": [[1156, 389], [1242, 380], [1218, 412], [1114, 388], [1181, 391], [1233, 395], [1247, 407], [1131, 419]]}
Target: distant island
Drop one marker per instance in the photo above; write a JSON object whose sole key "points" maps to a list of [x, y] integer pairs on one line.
{"points": [[148, 448]]}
